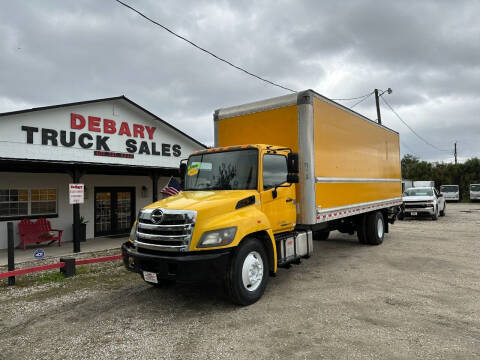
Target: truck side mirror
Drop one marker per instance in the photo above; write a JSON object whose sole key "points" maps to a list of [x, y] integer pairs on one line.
{"points": [[292, 178], [183, 170], [292, 163]]}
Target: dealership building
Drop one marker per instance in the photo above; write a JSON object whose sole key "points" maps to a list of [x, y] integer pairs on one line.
{"points": [[121, 152]]}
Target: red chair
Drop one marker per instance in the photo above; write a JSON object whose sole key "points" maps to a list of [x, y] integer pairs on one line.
{"points": [[37, 232]]}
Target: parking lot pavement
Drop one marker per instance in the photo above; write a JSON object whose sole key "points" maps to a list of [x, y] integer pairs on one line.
{"points": [[415, 296]]}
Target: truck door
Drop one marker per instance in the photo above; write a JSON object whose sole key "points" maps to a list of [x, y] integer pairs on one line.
{"points": [[277, 203]]}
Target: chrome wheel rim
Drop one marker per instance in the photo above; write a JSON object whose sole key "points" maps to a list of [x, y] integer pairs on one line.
{"points": [[252, 271], [380, 228]]}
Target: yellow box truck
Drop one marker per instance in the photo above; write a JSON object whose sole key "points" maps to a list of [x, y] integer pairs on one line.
{"points": [[284, 171]]}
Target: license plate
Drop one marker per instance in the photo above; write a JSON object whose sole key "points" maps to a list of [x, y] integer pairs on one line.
{"points": [[413, 213], [150, 277]]}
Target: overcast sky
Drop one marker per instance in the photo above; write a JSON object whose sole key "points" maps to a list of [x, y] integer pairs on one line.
{"points": [[428, 52]]}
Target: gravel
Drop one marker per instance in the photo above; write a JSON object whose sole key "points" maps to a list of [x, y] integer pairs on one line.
{"points": [[415, 296]]}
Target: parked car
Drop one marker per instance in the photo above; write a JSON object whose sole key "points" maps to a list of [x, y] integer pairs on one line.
{"points": [[420, 201], [450, 192]]}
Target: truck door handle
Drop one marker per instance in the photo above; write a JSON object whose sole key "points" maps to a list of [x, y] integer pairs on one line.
{"points": [[289, 200]]}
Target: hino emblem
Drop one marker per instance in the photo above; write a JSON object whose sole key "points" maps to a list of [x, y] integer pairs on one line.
{"points": [[157, 216]]}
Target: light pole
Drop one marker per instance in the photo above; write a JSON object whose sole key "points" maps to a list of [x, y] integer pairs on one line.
{"points": [[377, 101]]}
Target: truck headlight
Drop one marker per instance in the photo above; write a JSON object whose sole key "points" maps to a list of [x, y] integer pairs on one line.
{"points": [[217, 237], [133, 233]]}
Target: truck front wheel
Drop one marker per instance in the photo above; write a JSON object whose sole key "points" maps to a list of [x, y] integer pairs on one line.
{"points": [[248, 275]]}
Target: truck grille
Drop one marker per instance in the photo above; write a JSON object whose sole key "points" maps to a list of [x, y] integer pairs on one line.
{"points": [[416, 205], [165, 229]]}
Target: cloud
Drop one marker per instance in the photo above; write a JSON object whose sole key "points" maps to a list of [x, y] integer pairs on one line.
{"points": [[56, 51]]}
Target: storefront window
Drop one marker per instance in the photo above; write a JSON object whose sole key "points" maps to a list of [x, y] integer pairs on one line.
{"points": [[44, 201], [13, 202], [22, 202]]}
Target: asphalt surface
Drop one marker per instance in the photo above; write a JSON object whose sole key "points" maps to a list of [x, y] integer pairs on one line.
{"points": [[415, 296]]}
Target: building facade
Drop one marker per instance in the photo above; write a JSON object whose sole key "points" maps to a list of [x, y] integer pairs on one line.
{"points": [[121, 152]]}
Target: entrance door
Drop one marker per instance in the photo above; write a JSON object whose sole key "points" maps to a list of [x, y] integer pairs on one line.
{"points": [[114, 210]]}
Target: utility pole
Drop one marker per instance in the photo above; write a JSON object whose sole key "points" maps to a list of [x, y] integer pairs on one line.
{"points": [[379, 117], [455, 152]]}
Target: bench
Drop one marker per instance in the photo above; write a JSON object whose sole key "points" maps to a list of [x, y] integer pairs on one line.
{"points": [[37, 232]]}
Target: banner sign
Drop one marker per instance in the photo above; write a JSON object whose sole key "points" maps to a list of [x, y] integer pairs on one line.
{"points": [[105, 132]]}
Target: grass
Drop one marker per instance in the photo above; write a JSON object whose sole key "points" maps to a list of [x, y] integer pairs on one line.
{"points": [[83, 274], [50, 277]]}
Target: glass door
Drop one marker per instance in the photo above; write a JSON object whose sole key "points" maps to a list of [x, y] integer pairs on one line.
{"points": [[123, 211], [114, 210]]}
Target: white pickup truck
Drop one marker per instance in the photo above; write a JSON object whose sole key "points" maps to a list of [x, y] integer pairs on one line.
{"points": [[419, 201], [450, 192]]}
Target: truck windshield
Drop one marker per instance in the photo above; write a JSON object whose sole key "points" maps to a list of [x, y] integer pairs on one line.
{"points": [[474, 187], [449, 188], [228, 170], [418, 192]]}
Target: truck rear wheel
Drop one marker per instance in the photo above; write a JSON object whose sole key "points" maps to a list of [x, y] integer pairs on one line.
{"points": [[362, 229], [375, 229], [248, 275]]}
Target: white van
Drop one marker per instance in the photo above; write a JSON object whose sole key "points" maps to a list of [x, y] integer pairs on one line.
{"points": [[474, 191], [450, 192]]}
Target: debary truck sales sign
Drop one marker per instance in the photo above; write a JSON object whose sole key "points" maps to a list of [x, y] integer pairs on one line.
{"points": [[113, 131]]}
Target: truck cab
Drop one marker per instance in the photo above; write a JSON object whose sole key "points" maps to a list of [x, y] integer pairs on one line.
{"points": [[223, 225]]}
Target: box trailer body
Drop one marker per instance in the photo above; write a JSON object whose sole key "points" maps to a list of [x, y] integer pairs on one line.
{"points": [[348, 163], [283, 171]]}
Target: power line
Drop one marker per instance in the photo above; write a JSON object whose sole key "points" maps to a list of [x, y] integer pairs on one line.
{"points": [[410, 128], [364, 98], [354, 98], [203, 49]]}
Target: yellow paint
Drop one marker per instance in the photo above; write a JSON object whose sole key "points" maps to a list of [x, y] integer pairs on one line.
{"points": [[280, 212], [350, 147], [275, 127], [340, 194]]}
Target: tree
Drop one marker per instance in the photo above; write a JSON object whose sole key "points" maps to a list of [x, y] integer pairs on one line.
{"points": [[443, 174]]}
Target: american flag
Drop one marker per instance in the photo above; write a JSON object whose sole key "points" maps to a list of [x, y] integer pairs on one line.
{"points": [[172, 188]]}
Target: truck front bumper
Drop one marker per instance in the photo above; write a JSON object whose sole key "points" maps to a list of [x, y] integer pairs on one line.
{"points": [[419, 211], [211, 266]]}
